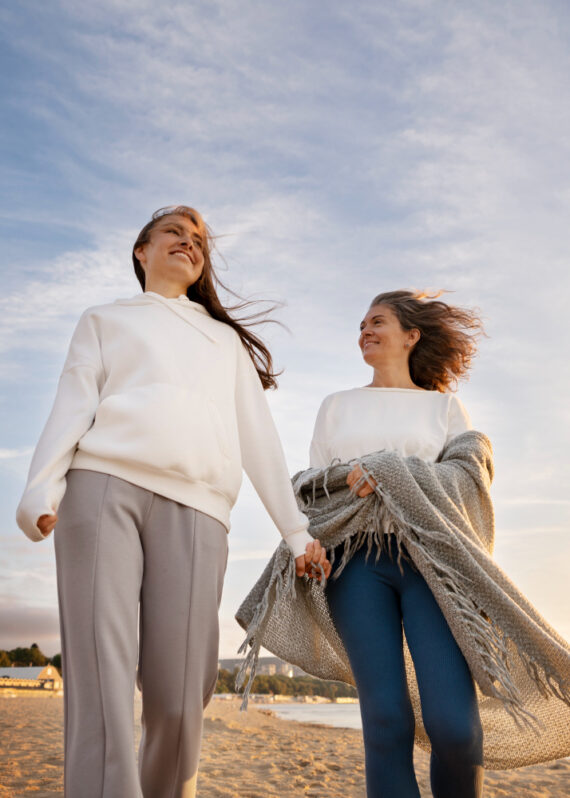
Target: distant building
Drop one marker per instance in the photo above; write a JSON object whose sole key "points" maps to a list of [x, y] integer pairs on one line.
{"points": [[45, 677], [266, 666]]}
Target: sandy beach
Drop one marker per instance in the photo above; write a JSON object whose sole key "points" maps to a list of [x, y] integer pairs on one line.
{"points": [[244, 755]]}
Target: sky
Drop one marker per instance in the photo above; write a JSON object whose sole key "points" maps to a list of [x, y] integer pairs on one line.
{"points": [[336, 150]]}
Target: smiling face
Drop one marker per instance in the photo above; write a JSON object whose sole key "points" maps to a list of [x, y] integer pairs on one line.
{"points": [[382, 338], [172, 259]]}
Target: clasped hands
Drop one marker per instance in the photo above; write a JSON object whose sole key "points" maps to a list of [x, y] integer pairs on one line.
{"points": [[308, 563], [315, 554]]}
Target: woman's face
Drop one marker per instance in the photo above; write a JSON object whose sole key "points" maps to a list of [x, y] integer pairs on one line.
{"points": [[173, 253], [382, 337]]}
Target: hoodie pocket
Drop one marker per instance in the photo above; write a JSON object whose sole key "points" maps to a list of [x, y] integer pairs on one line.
{"points": [[162, 427]]}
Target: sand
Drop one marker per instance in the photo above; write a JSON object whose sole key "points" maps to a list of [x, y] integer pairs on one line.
{"points": [[244, 755]]}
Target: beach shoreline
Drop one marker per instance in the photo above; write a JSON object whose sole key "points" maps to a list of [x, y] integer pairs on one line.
{"points": [[252, 754]]}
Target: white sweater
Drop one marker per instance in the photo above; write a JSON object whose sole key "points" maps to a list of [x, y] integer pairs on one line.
{"points": [[406, 420], [157, 392]]}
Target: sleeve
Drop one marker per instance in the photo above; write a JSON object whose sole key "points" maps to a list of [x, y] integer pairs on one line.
{"points": [[319, 456], [71, 416], [458, 420], [263, 458]]}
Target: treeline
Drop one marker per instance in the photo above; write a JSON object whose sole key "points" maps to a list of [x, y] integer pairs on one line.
{"points": [[286, 685], [23, 657], [266, 685]]}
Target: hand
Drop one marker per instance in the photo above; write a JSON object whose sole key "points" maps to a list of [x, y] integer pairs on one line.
{"points": [[314, 554], [46, 523], [356, 475]]}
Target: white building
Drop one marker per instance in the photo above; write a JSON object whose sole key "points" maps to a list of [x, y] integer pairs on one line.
{"points": [[45, 677], [266, 666]]}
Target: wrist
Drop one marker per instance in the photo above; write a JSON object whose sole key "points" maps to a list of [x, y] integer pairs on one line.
{"points": [[297, 542]]}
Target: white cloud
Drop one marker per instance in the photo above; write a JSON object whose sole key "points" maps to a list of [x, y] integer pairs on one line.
{"points": [[338, 151], [10, 454]]}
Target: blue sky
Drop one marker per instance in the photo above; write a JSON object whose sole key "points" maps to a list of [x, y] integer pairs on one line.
{"points": [[337, 151]]}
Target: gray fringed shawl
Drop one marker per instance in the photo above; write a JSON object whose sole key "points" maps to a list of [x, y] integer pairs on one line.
{"points": [[442, 518]]}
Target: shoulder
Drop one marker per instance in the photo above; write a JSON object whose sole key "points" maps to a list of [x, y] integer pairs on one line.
{"points": [[335, 405], [458, 419], [340, 397], [103, 310], [454, 403], [91, 317]]}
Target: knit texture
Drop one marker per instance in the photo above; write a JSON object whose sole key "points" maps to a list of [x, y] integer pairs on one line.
{"points": [[442, 518]]}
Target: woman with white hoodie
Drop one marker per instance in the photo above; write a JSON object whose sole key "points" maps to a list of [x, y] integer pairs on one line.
{"points": [[159, 406]]}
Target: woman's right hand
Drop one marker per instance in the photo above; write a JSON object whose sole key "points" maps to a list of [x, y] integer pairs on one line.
{"points": [[314, 555], [355, 477], [46, 524]]}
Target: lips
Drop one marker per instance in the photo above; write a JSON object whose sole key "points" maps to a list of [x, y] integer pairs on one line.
{"points": [[181, 252]]}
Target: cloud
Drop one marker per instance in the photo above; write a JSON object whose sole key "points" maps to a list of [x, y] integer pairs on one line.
{"points": [[38, 314], [10, 454], [23, 625], [338, 151]]}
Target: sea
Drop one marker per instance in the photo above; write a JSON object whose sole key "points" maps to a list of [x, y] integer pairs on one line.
{"points": [[345, 716]]}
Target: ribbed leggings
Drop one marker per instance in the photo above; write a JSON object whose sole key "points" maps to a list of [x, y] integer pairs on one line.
{"points": [[369, 603]]}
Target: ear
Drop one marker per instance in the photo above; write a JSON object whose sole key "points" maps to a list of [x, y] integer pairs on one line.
{"points": [[141, 254], [414, 336]]}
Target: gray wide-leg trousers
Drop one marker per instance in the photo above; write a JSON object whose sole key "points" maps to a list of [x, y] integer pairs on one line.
{"points": [[117, 545]]}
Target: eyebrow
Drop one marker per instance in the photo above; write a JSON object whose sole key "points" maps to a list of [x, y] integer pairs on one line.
{"points": [[377, 316], [194, 233]]}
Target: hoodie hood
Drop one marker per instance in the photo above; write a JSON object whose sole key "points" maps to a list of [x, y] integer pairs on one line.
{"points": [[192, 313]]}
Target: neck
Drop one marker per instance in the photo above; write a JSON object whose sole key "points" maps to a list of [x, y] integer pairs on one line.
{"points": [[392, 376], [165, 288]]}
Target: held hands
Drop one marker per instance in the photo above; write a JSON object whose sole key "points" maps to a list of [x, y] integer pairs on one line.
{"points": [[314, 555], [46, 523], [354, 477]]}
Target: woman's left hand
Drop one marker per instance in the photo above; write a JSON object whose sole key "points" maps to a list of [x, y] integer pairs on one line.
{"points": [[354, 477], [314, 555]]}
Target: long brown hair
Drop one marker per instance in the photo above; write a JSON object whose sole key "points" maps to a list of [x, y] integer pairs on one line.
{"points": [[448, 336], [204, 292]]}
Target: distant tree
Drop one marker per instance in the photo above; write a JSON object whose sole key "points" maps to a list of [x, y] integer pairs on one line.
{"points": [[37, 656], [56, 661], [22, 657], [226, 681], [5, 661], [285, 685]]}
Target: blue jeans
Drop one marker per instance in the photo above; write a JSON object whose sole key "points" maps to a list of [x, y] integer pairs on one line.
{"points": [[369, 602]]}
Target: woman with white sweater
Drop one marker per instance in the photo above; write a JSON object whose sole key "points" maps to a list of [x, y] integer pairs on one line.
{"points": [[417, 347], [159, 406]]}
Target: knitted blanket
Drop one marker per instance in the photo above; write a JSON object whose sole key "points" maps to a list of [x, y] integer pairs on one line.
{"points": [[442, 518]]}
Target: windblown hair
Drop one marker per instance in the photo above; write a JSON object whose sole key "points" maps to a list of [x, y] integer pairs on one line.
{"points": [[204, 291], [448, 336]]}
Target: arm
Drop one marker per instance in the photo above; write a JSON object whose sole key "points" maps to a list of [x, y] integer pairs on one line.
{"points": [[458, 420], [319, 456], [263, 458], [72, 414]]}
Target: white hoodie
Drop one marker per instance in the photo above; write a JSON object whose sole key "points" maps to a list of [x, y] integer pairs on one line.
{"points": [[157, 392]]}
